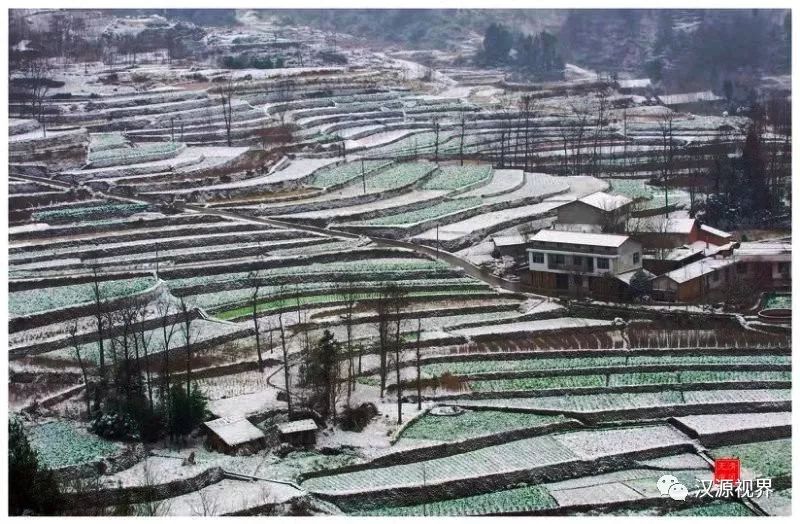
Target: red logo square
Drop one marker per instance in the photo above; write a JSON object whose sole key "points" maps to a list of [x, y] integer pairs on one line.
{"points": [[727, 469]]}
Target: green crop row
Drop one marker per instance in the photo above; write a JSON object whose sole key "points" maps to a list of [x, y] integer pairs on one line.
{"points": [[527, 498]]}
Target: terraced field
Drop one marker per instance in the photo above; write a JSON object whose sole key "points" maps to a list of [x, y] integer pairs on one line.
{"points": [[209, 226]]}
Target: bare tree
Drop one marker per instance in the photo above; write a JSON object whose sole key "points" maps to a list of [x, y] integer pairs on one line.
{"points": [[398, 300], [436, 129], [72, 329], [151, 507], [348, 293], [602, 105], [163, 307], [145, 338], [418, 363], [577, 127], [382, 313], [462, 125], [186, 328], [286, 374], [255, 284], [38, 73], [207, 505], [97, 295], [226, 91], [667, 153], [527, 105]]}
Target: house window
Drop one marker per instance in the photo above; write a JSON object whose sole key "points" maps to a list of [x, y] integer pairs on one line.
{"points": [[555, 260], [636, 258], [576, 260], [537, 257], [602, 263]]}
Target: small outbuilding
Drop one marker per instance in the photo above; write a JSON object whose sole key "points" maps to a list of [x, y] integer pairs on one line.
{"points": [[234, 436], [298, 432]]}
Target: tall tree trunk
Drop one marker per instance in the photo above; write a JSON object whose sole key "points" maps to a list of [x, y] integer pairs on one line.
{"points": [[285, 365]]}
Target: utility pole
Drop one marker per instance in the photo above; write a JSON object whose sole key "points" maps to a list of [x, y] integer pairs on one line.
{"points": [[437, 241], [363, 177]]}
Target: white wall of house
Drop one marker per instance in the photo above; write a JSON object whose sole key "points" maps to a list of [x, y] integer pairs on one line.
{"points": [[620, 262], [630, 257]]}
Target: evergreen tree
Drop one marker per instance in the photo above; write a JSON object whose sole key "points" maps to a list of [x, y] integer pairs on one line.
{"points": [[185, 412], [322, 375], [497, 43], [640, 284], [33, 488]]}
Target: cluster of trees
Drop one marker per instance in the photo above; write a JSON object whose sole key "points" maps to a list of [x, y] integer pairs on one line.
{"points": [[683, 49], [132, 393], [746, 189], [536, 55], [247, 61], [66, 40], [733, 184], [329, 368]]}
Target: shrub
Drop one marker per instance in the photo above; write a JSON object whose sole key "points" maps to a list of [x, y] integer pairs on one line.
{"points": [[186, 412], [115, 426], [356, 419]]}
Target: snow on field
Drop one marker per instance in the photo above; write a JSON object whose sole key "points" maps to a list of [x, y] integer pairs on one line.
{"points": [[227, 496], [510, 457], [503, 181], [36, 134], [296, 170], [478, 254], [593, 444], [581, 186], [504, 458], [615, 401], [377, 139], [536, 185], [386, 204], [492, 219], [250, 404], [680, 461], [710, 424]]}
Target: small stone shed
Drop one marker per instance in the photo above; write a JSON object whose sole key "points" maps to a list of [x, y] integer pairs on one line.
{"points": [[234, 436], [298, 432]]}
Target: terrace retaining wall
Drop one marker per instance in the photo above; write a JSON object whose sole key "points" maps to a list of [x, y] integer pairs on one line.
{"points": [[33, 320], [126, 458], [645, 413], [105, 497], [400, 496], [409, 456]]}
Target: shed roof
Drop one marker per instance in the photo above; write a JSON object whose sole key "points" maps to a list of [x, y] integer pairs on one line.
{"points": [[764, 251], [632, 83], [297, 426], [583, 239], [606, 201], [714, 231], [689, 98], [509, 240], [234, 431], [697, 269]]}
